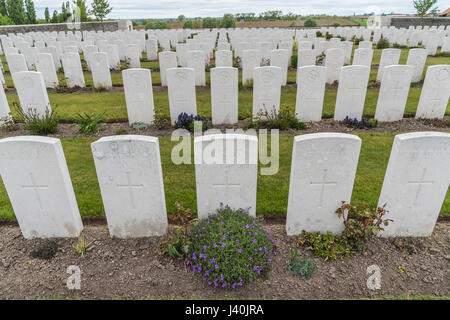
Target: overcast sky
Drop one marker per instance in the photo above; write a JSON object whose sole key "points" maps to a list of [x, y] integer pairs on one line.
{"points": [[126, 9]]}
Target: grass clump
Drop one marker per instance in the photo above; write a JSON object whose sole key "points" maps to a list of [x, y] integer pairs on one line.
{"points": [[361, 222], [89, 123], [299, 266], [7, 123], [82, 245], [230, 248], [37, 124], [283, 119]]}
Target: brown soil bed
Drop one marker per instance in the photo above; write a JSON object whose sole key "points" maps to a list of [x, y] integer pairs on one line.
{"points": [[114, 268], [69, 130]]}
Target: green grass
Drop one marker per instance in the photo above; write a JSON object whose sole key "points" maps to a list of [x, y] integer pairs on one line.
{"points": [[179, 181], [114, 107]]}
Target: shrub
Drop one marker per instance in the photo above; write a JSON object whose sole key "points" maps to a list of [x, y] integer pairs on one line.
{"points": [[364, 123], [230, 248], [336, 24], [89, 123], [37, 124], [177, 242], [361, 224], [282, 120], [310, 23], [157, 25], [358, 40], [161, 120], [319, 34], [299, 266], [187, 121], [382, 44]]}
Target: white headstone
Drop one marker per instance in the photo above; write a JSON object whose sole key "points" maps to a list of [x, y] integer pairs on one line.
{"points": [[73, 71], [310, 93], [196, 61], [280, 58], [251, 59], [4, 106], [417, 59], [416, 183], [435, 93], [322, 176], [224, 175], [37, 180], [100, 70], [113, 57], [46, 66], [334, 61], [32, 93], [132, 54], [363, 57], [151, 47], [352, 91], [394, 92], [224, 95], [389, 57], [182, 97], [266, 89], [224, 58], [306, 57], [167, 60], [139, 95], [131, 183], [16, 63]]}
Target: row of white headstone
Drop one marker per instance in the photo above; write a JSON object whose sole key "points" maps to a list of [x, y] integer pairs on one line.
{"points": [[350, 100], [324, 165]]}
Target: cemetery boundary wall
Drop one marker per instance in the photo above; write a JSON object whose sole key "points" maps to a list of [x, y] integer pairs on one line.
{"points": [[50, 27], [405, 22]]}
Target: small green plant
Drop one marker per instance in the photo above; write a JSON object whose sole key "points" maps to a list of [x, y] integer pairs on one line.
{"points": [[37, 124], [161, 120], [89, 123], [230, 248], [82, 245], [283, 119], [176, 243], [7, 123], [120, 131], [294, 61], [139, 126], [299, 266], [361, 223], [383, 44]]}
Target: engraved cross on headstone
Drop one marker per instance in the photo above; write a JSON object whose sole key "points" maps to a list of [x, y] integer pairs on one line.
{"points": [[323, 184], [419, 184], [227, 185], [130, 188], [35, 187]]}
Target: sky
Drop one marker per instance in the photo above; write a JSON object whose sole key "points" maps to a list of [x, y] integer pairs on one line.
{"points": [[142, 9]]}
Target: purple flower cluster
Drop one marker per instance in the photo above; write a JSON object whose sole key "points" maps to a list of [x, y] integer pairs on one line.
{"points": [[230, 248]]}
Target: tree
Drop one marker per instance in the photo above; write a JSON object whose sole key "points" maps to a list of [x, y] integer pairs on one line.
{"points": [[197, 24], [47, 15], [160, 24], [181, 18], [100, 9], [188, 25], [4, 20], [30, 14], [310, 23], [16, 11], [210, 23], [228, 21], [54, 17], [423, 7], [3, 10], [81, 4]]}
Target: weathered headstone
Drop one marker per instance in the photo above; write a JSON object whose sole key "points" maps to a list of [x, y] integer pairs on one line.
{"points": [[322, 176], [35, 175], [416, 183], [224, 175], [131, 183]]}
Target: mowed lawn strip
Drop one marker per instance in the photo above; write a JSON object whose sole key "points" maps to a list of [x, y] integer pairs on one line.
{"points": [[114, 106], [179, 181]]}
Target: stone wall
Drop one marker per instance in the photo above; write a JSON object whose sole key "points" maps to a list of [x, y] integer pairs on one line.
{"points": [[405, 22], [85, 26]]}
